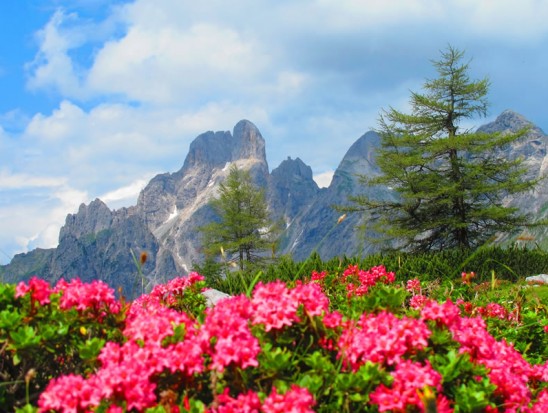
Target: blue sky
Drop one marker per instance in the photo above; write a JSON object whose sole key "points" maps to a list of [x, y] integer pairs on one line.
{"points": [[99, 96]]}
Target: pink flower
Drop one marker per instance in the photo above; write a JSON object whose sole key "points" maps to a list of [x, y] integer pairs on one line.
{"points": [[382, 338], [467, 277], [155, 324], [333, 319], [274, 306], [39, 289], [418, 301], [409, 378], [296, 400], [446, 313], [227, 335], [541, 406], [494, 310], [244, 403], [413, 286], [312, 298], [64, 394], [95, 296], [318, 276]]}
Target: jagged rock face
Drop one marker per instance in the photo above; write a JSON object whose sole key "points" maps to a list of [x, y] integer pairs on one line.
{"points": [[291, 189], [317, 228], [90, 219], [533, 149], [175, 206], [95, 242]]}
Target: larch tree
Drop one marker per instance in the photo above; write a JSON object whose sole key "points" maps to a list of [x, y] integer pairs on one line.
{"points": [[449, 181], [244, 228]]}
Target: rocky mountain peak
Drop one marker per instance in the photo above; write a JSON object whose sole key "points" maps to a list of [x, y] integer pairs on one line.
{"points": [[215, 149], [248, 142], [358, 160], [291, 188], [293, 169], [91, 218], [509, 121]]}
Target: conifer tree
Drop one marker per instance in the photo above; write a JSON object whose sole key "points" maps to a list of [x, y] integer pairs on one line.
{"points": [[449, 181], [244, 228]]}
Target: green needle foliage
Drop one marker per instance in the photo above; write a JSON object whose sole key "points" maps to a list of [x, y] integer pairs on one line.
{"points": [[449, 181], [244, 229]]}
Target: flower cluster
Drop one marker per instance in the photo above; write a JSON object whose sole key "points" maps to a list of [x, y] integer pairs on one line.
{"points": [[409, 379], [295, 400], [170, 358], [382, 338], [359, 281], [95, 296], [466, 277], [275, 306], [413, 286], [38, 289]]}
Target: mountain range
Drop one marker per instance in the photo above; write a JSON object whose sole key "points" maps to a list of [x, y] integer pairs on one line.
{"points": [[97, 243]]}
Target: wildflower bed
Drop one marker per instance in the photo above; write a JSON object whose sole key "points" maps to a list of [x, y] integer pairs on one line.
{"points": [[354, 341]]}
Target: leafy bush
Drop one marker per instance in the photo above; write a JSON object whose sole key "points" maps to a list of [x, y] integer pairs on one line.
{"points": [[349, 340]]}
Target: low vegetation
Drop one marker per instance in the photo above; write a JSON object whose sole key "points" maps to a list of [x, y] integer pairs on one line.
{"points": [[348, 335]]}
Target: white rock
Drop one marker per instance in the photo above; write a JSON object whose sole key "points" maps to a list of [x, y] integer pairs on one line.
{"points": [[213, 296], [541, 278]]}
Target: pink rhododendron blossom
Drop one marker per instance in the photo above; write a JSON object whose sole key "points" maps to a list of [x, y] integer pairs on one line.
{"points": [[226, 328], [64, 395], [466, 277], [541, 406], [274, 306], [39, 290], [95, 296], [493, 310], [382, 338], [418, 301], [507, 369], [413, 286], [244, 403], [318, 276], [445, 313], [365, 279], [409, 378], [333, 319], [154, 324], [296, 400], [314, 301]]}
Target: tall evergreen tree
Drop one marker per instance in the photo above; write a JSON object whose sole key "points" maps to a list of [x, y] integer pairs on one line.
{"points": [[244, 228], [450, 182]]}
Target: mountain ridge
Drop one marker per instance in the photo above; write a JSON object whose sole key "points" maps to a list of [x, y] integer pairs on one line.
{"points": [[97, 242]]}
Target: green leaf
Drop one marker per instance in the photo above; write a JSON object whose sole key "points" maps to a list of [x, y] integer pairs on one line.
{"points": [[313, 382], [27, 408], [24, 337], [90, 349], [9, 320], [275, 358]]}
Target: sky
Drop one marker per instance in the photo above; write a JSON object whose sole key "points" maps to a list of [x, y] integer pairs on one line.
{"points": [[97, 96]]}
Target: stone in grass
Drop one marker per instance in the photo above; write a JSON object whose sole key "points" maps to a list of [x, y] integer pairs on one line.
{"points": [[213, 296], [537, 279]]}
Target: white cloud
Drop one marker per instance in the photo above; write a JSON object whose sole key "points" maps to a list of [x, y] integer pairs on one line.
{"points": [[52, 66], [324, 179], [33, 219], [176, 64], [19, 181], [126, 195]]}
